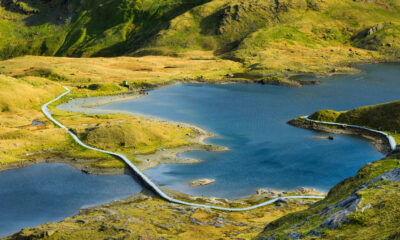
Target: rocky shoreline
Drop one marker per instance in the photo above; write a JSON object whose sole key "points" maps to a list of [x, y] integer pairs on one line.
{"points": [[380, 142]]}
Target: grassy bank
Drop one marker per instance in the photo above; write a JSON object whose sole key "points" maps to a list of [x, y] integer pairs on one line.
{"points": [[383, 117]]}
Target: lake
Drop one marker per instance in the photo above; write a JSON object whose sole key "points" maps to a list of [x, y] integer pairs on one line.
{"points": [[251, 119], [52, 192]]}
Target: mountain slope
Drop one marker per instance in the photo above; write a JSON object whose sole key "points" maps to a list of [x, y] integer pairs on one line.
{"points": [[290, 36]]}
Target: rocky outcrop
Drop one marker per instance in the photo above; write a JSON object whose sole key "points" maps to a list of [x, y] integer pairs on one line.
{"points": [[351, 204], [348, 206], [301, 191], [379, 37]]}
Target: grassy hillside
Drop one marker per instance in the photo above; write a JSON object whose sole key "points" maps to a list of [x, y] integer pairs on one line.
{"points": [[281, 35], [361, 207], [286, 36], [82, 27]]}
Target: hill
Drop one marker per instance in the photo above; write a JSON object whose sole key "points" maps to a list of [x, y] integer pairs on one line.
{"points": [[268, 37]]}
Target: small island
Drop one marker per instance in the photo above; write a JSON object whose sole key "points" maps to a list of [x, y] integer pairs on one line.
{"points": [[201, 182]]}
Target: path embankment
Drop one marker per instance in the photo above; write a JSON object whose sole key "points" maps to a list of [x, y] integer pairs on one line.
{"points": [[382, 141]]}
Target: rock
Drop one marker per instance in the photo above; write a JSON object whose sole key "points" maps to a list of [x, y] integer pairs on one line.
{"points": [[82, 221], [268, 192], [316, 233], [391, 176], [49, 232], [280, 202], [324, 137], [201, 182], [348, 206], [294, 236], [166, 227], [272, 237], [367, 206], [327, 210]]}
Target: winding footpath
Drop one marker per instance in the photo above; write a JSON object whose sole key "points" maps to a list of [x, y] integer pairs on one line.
{"points": [[148, 181], [392, 142]]}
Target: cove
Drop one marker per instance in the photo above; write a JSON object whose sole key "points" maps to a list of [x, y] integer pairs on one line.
{"points": [[251, 119], [52, 192]]}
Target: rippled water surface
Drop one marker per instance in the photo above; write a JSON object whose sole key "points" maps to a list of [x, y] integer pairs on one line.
{"points": [[51, 192], [251, 121]]}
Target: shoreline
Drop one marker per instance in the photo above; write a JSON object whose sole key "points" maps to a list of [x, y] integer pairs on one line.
{"points": [[113, 98], [86, 104], [149, 184], [167, 156], [380, 142]]}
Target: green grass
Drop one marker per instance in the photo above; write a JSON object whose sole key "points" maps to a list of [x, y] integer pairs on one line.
{"points": [[294, 36], [325, 115], [384, 117]]}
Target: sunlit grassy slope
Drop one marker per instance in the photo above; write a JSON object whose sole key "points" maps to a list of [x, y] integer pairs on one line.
{"points": [[108, 73], [22, 142], [268, 36]]}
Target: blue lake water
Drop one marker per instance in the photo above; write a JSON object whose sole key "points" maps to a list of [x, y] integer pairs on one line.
{"points": [[251, 119], [52, 192]]}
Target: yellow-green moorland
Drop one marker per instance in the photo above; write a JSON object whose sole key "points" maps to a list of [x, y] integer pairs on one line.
{"points": [[103, 76], [147, 217], [29, 82]]}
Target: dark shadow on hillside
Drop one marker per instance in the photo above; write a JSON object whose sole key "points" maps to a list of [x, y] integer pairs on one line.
{"points": [[151, 25], [210, 24]]}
